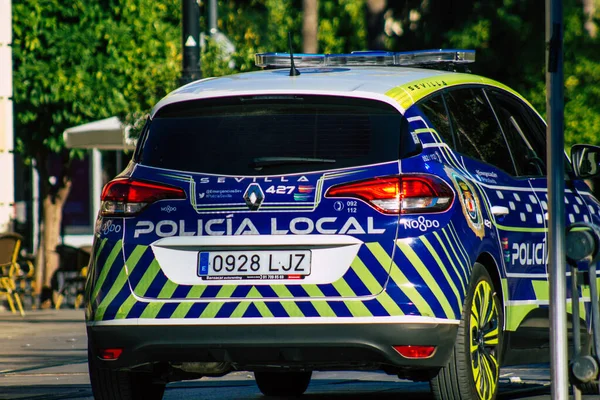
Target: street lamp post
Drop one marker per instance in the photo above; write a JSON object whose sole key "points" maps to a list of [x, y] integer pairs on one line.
{"points": [[190, 18], [557, 275]]}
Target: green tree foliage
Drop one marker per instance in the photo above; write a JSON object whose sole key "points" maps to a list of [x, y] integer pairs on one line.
{"points": [[79, 61], [257, 26], [509, 36]]}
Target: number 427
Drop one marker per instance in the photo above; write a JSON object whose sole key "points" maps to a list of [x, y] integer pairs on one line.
{"points": [[280, 189]]}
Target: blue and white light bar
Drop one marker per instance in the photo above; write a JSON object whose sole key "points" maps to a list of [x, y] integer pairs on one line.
{"points": [[367, 58]]}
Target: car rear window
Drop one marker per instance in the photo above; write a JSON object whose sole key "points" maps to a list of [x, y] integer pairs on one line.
{"points": [[228, 135]]}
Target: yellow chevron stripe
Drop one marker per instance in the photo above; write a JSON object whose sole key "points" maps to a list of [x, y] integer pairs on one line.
{"points": [[366, 277], [321, 306], [290, 306], [401, 281], [427, 277], [112, 256], [444, 271]]}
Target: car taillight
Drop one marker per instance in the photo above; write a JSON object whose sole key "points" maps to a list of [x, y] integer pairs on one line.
{"points": [[399, 194], [125, 197]]}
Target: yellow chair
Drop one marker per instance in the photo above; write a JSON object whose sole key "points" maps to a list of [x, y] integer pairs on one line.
{"points": [[10, 243]]}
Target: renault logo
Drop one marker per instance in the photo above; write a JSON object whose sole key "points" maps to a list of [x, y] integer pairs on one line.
{"points": [[254, 196]]}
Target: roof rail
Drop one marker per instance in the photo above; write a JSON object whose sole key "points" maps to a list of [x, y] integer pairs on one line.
{"points": [[441, 58]]}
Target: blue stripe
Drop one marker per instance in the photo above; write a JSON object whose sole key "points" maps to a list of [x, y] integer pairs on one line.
{"points": [[307, 309], [211, 291], [376, 308], [401, 299], [297, 291], [276, 309], [266, 291], [252, 312], [380, 272], [137, 309], [226, 310], [113, 307], [196, 310], [142, 265], [328, 290], [181, 291], [167, 310], [241, 291], [419, 284], [339, 309], [356, 283]]}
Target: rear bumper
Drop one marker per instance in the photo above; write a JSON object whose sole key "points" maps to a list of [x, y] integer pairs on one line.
{"points": [[250, 347]]}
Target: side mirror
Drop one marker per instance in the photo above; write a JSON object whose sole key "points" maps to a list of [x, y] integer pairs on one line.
{"points": [[586, 160]]}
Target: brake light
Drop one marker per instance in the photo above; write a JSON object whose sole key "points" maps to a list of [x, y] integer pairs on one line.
{"points": [[110, 354], [415, 351], [125, 197], [399, 194]]}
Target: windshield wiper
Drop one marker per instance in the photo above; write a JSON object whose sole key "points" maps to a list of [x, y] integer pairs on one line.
{"points": [[260, 162]]}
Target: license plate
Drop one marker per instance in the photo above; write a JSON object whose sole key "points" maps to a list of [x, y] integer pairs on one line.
{"points": [[275, 264]]}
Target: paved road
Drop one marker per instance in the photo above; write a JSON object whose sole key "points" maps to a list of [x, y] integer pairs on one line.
{"points": [[43, 357]]}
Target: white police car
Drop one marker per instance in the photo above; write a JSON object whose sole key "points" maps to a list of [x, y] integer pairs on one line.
{"points": [[375, 212]]}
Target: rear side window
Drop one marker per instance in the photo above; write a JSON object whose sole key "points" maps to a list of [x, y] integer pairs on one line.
{"points": [[478, 134], [435, 110], [266, 135]]}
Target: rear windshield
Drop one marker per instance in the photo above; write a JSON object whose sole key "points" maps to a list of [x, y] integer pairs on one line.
{"points": [[269, 135]]}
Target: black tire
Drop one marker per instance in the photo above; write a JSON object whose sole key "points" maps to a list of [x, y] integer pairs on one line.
{"points": [[282, 384], [590, 387], [122, 385], [474, 366]]}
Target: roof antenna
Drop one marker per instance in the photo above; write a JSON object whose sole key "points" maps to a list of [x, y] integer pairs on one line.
{"points": [[293, 70]]}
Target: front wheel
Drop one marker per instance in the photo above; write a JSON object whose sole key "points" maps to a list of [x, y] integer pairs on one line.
{"points": [[282, 384], [474, 366]]}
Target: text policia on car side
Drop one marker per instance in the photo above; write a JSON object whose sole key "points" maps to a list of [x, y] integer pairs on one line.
{"points": [[378, 211]]}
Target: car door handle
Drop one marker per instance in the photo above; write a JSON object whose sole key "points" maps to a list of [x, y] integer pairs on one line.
{"points": [[499, 211]]}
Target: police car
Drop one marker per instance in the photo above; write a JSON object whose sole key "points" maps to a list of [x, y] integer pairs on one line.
{"points": [[365, 211]]}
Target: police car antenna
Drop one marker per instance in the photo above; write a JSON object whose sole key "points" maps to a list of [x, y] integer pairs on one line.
{"points": [[293, 70]]}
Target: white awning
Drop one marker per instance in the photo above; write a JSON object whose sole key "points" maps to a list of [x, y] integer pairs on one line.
{"points": [[105, 134]]}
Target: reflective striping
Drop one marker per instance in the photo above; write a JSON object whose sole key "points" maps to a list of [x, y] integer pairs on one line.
{"points": [[147, 279], [343, 288], [461, 277], [401, 281], [182, 310], [459, 244], [167, 291], [358, 308], [366, 276], [444, 271], [465, 267], [541, 289], [121, 280], [389, 304], [115, 252], [322, 307], [290, 307], [427, 277], [226, 291]]}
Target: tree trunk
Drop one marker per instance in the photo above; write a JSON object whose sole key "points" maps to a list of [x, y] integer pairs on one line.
{"points": [[589, 9], [310, 26], [48, 261], [376, 24]]}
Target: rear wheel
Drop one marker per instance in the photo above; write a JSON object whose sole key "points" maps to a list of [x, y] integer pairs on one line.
{"points": [[122, 385], [474, 366], [282, 383]]}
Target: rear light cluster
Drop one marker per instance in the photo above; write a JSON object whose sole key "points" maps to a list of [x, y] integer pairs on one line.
{"points": [[399, 194], [125, 197], [409, 351]]}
